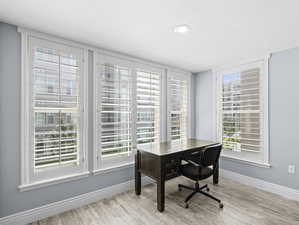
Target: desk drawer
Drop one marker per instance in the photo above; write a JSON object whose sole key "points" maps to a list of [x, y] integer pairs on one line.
{"points": [[172, 168], [172, 173], [172, 163]]}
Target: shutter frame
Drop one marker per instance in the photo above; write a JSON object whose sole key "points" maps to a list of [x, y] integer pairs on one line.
{"points": [[260, 158]]}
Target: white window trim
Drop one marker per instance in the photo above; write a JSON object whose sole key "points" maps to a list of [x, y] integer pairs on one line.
{"points": [[186, 76], [48, 182], [266, 151], [25, 117], [248, 162], [97, 161], [126, 61]]}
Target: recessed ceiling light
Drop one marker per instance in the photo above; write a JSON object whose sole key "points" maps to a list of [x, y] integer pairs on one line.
{"points": [[182, 28]]}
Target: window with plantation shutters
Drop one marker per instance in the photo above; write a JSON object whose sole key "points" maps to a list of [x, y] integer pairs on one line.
{"points": [[53, 88], [178, 87], [56, 108], [127, 99], [241, 112], [114, 101], [148, 106]]}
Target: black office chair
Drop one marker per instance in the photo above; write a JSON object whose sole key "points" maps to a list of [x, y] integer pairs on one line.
{"points": [[200, 166]]}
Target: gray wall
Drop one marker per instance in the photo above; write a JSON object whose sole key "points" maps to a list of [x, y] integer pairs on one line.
{"points": [[283, 120], [203, 106], [192, 113], [11, 200]]}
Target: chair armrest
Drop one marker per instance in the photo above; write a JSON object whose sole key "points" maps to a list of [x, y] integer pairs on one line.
{"points": [[194, 163]]}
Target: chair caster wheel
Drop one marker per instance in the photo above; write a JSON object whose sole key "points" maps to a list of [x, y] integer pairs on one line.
{"points": [[186, 205], [180, 189], [221, 205], [207, 189]]}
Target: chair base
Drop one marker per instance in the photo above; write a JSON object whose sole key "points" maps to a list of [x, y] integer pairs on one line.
{"points": [[198, 189]]}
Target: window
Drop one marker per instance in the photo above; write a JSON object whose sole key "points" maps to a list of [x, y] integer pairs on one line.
{"points": [[54, 120], [70, 87], [241, 112], [148, 106], [178, 94], [114, 106], [130, 109], [127, 99]]}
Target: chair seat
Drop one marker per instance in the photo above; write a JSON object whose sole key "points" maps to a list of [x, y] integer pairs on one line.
{"points": [[191, 172]]}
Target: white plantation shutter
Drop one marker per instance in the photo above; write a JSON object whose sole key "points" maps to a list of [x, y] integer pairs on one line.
{"points": [[114, 130], [56, 108], [53, 120], [178, 88], [148, 106], [127, 99], [241, 112]]}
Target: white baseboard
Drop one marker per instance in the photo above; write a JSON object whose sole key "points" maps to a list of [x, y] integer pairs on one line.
{"points": [[284, 191], [45, 211]]}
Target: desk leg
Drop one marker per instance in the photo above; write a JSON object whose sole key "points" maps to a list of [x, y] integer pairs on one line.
{"points": [[161, 194], [216, 174], [137, 175]]}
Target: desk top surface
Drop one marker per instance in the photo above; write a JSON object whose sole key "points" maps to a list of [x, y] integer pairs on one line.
{"points": [[165, 148]]}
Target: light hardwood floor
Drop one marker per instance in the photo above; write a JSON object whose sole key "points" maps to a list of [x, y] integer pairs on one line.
{"points": [[242, 205]]}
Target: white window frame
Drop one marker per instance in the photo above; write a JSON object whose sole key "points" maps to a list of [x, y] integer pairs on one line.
{"points": [[162, 92], [183, 76], [121, 162], [28, 179], [257, 159]]}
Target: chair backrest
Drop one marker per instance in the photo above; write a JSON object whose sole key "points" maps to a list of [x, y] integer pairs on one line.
{"points": [[210, 155]]}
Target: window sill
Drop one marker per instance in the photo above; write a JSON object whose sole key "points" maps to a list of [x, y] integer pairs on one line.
{"points": [[112, 169], [59, 180], [249, 162]]}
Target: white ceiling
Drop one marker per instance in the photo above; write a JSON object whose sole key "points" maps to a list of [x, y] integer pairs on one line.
{"points": [[223, 31]]}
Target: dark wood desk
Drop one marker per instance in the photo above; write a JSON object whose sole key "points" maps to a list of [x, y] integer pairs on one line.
{"points": [[161, 162]]}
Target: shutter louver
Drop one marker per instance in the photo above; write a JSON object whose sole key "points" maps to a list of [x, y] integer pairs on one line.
{"points": [[56, 108], [115, 113], [179, 108], [241, 111], [148, 107]]}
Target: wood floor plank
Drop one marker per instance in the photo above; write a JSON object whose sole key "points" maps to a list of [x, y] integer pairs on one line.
{"points": [[53, 220], [243, 205]]}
